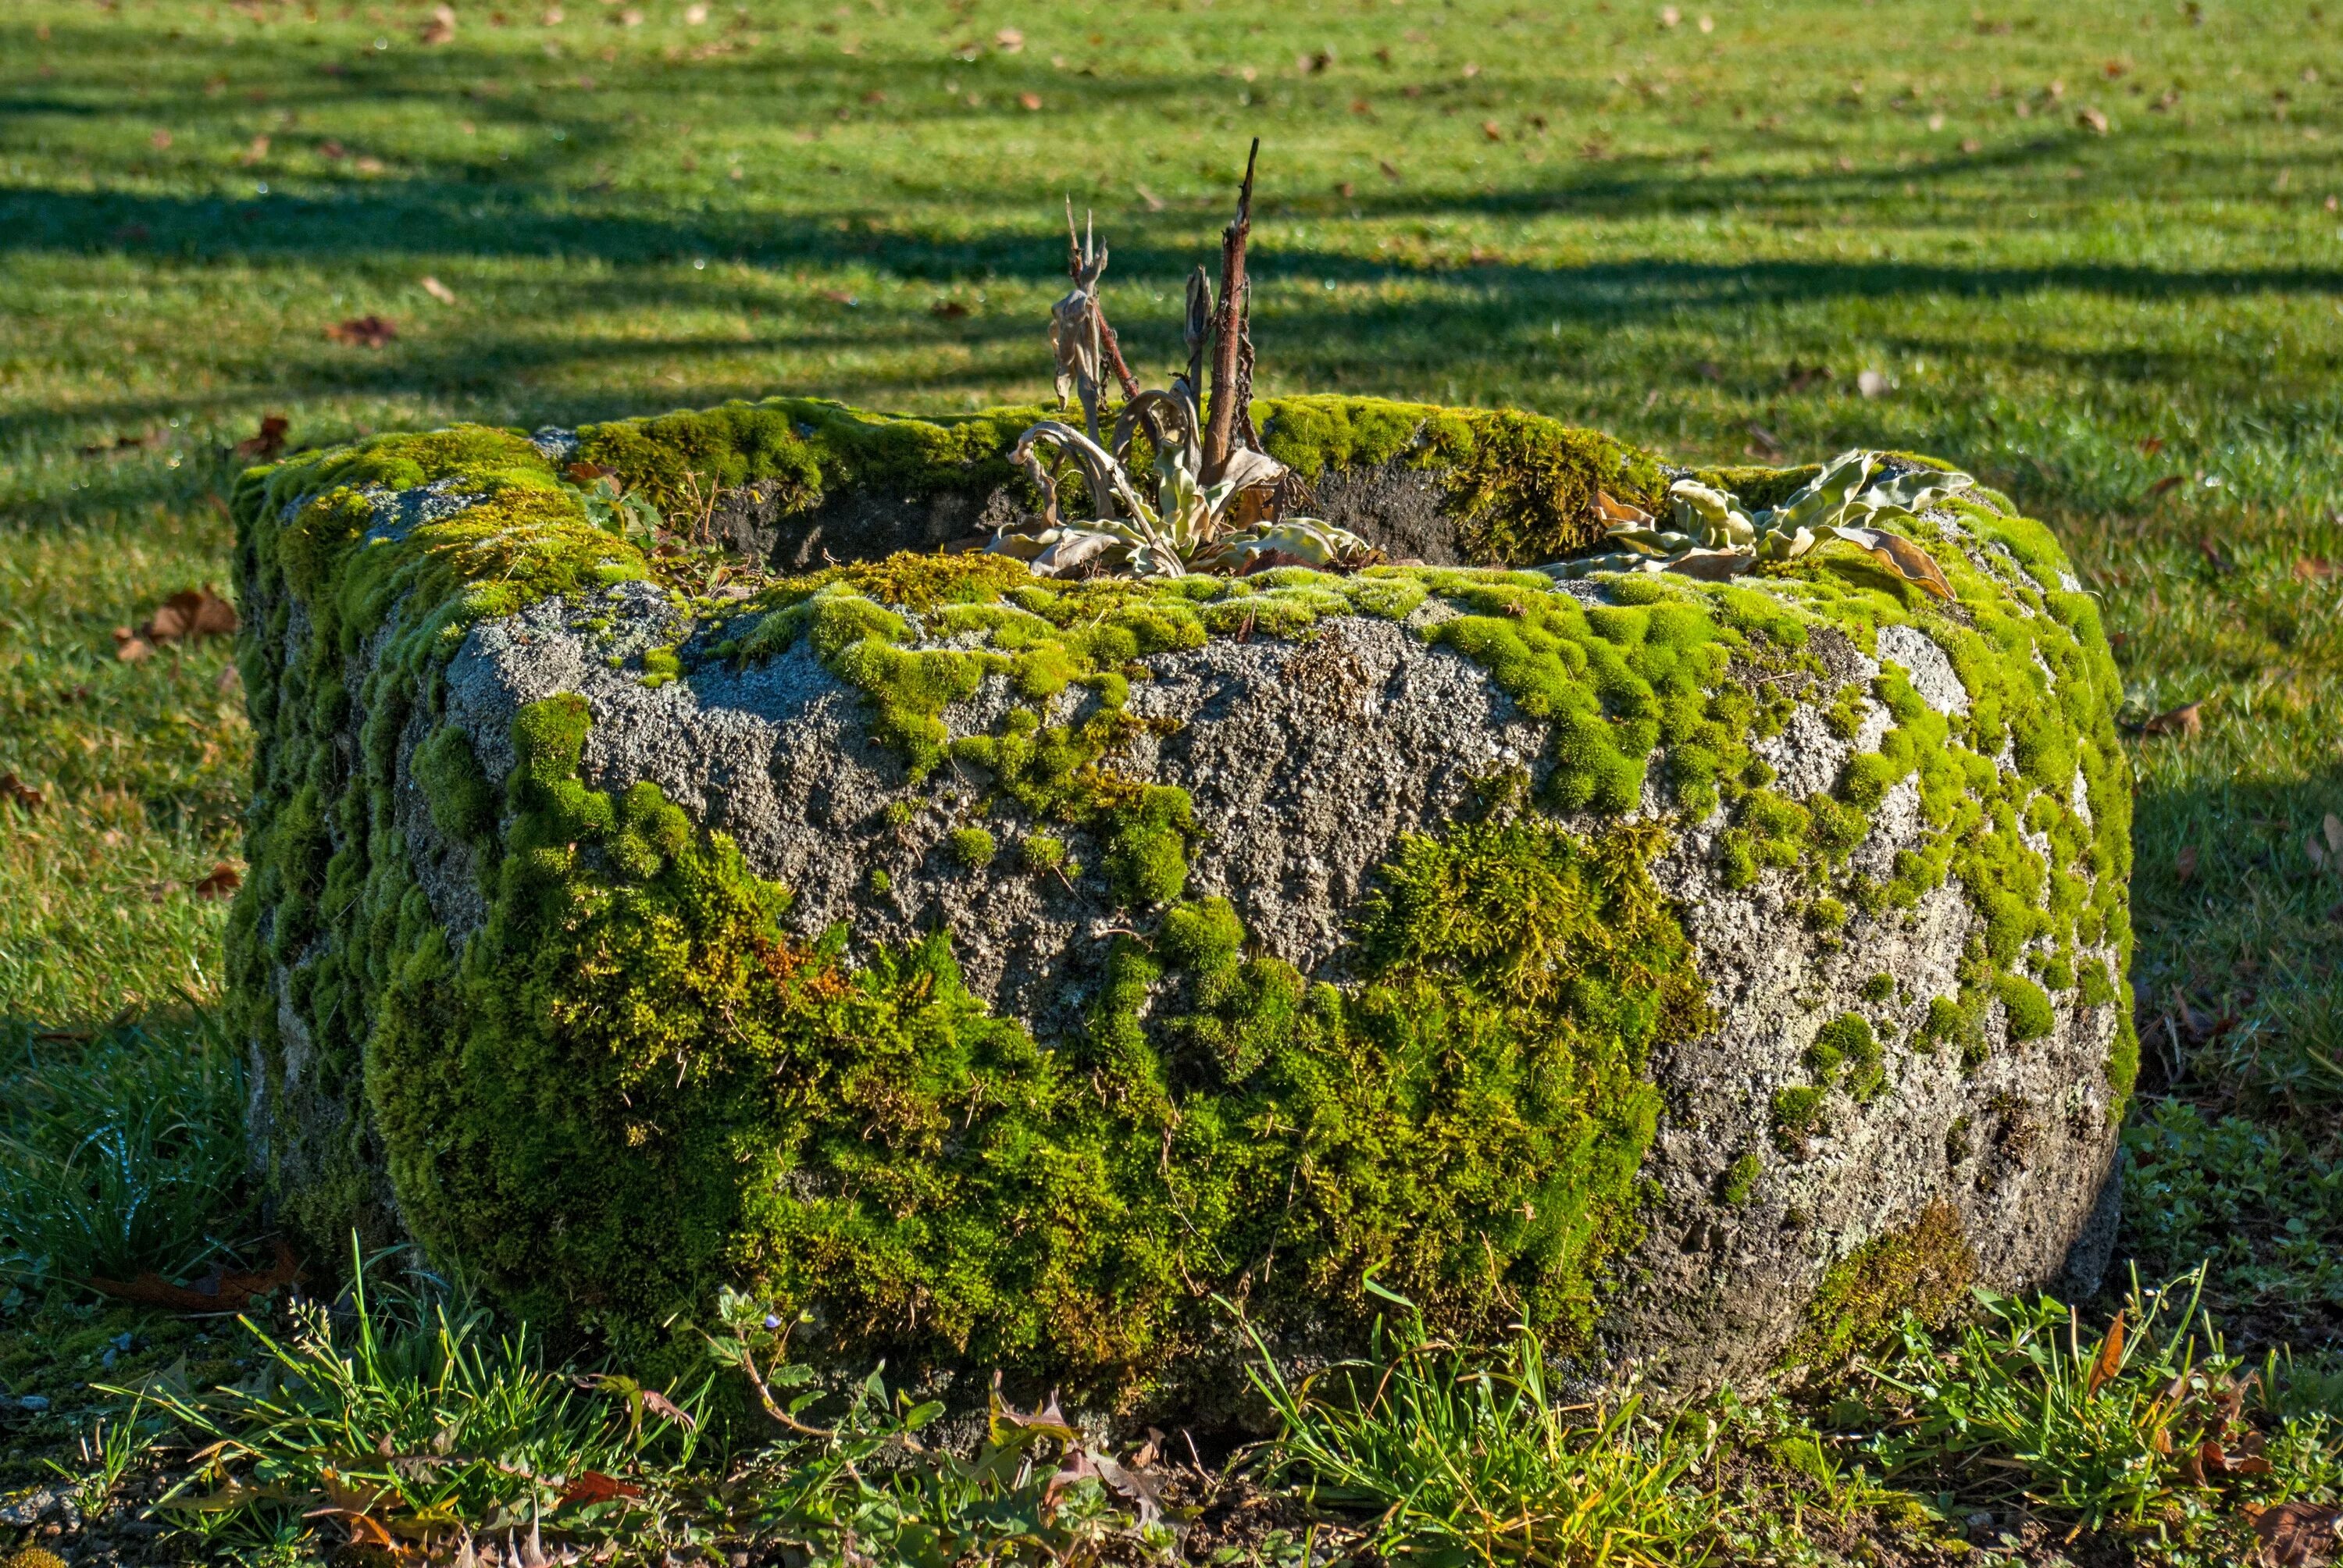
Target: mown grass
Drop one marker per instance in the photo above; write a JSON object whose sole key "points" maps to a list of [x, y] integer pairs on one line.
{"points": [[1666, 231]]}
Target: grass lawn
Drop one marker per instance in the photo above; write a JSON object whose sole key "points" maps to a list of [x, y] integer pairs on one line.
{"points": [[2090, 252]]}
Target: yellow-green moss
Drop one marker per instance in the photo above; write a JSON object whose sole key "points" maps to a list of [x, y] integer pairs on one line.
{"points": [[1924, 1268], [1517, 484], [633, 1045]]}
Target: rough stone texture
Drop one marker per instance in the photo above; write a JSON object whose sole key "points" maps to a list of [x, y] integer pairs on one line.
{"points": [[1307, 761]]}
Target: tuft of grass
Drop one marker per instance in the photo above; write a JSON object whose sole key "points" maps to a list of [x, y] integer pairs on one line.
{"points": [[1479, 1458], [401, 1416], [2140, 1426], [120, 1153]]}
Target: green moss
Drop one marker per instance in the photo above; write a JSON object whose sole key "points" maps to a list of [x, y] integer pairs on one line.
{"points": [[1848, 1040], [1521, 486], [462, 804], [2027, 1006], [1878, 988], [660, 665], [972, 847], [880, 881], [1741, 1181], [1925, 1269], [601, 1060]]}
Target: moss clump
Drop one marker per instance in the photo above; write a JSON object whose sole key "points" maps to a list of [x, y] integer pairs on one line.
{"points": [[1848, 1040], [1925, 1269], [973, 848], [644, 1048], [633, 1044], [1042, 852], [1797, 1112], [2027, 1007], [1521, 486], [1741, 1180]]}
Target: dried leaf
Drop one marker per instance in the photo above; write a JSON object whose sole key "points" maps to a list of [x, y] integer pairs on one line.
{"points": [[15, 789], [2312, 570], [265, 442], [2300, 1534], [363, 331], [1031, 101], [1712, 566], [2109, 1360], [130, 646], [2184, 866], [2184, 720], [1873, 384], [2151, 447], [439, 29], [439, 290], [1608, 510], [948, 310], [2092, 120], [2165, 486], [220, 882], [593, 1487], [189, 616], [217, 1291], [660, 1405], [137, 443], [1902, 557]]}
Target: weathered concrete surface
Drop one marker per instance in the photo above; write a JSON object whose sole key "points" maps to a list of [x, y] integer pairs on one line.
{"points": [[1306, 762]]}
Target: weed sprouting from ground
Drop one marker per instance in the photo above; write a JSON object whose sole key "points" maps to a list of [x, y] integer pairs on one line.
{"points": [[2146, 1426], [120, 1153], [405, 1415], [1479, 1457]]}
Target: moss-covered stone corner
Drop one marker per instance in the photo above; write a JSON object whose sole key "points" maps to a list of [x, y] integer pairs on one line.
{"points": [[1924, 1268], [633, 1085], [1520, 487], [1516, 486], [633, 1080]]}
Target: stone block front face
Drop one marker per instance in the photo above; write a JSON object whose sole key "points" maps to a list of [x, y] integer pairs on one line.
{"points": [[1018, 972]]}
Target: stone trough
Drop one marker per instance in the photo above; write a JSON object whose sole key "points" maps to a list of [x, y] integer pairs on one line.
{"points": [[1033, 974]]}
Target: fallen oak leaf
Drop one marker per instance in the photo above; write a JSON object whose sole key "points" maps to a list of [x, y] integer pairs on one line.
{"points": [[130, 646], [592, 1487], [15, 789], [2109, 1360], [2186, 719], [189, 615], [1901, 556], [221, 881], [217, 1291], [2312, 570], [265, 442], [2300, 1534], [363, 331]]}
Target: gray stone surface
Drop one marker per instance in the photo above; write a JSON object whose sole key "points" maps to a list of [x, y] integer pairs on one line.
{"points": [[1306, 762]]}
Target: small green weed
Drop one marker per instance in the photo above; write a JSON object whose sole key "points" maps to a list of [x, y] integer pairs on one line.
{"points": [[398, 1419], [865, 1488], [2135, 1427], [120, 1154], [1475, 1459], [2260, 1204]]}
